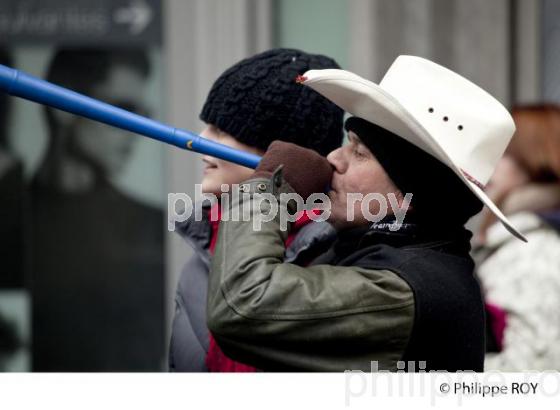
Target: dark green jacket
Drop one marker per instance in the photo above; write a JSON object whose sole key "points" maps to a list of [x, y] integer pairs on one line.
{"points": [[360, 307]]}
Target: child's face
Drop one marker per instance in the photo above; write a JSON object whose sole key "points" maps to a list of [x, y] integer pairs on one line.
{"points": [[217, 171]]}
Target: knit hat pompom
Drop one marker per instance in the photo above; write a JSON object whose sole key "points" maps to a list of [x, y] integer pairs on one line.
{"points": [[258, 101]]}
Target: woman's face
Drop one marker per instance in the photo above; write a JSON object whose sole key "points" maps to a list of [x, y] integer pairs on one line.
{"points": [[356, 171], [217, 171], [507, 177]]}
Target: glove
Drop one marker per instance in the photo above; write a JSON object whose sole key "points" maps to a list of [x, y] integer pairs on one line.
{"points": [[305, 170]]}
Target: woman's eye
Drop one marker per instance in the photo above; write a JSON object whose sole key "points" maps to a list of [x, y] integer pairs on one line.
{"points": [[358, 153]]}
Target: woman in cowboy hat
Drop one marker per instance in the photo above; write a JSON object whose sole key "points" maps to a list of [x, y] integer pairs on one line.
{"points": [[521, 282], [379, 297]]}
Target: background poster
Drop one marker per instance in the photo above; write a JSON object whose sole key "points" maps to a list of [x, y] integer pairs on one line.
{"points": [[83, 223]]}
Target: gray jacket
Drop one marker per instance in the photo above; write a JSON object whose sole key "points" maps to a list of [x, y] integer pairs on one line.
{"points": [[189, 337]]}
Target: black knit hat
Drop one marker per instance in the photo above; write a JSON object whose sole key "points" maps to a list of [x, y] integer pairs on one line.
{"points": [[437, 193], [258, 101]]}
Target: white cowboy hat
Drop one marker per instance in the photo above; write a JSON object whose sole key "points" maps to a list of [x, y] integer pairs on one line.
{"points": [[433, 108]]}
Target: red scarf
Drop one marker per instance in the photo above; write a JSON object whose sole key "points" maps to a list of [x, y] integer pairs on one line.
{"points": [[216, 360]]}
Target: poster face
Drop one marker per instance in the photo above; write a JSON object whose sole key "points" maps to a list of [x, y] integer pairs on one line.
{"points": [[84, 227]]}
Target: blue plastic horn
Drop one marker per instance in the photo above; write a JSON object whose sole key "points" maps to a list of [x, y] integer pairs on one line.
{"points": [[31, 88]]}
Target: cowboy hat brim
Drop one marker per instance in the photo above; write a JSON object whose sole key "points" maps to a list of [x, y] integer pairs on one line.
{"points": [[367, 100]]}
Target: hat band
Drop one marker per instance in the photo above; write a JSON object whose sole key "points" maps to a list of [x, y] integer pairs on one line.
{"points": [[473, 180]]}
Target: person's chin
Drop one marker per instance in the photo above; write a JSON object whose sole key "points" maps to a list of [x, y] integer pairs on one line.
{"points": [[209, 185], [341, 223], [333, 198]]}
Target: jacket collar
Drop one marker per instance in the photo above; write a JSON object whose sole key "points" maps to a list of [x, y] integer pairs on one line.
{"points": [[196, 233], [307, 237], [412, 233], [526, 222]]}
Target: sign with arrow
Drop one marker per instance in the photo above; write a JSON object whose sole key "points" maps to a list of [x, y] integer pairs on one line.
{"points": [[81, 22]]}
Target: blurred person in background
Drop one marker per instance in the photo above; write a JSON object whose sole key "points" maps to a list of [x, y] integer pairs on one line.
{"points": [[97, 254], [253, 103], [521, 281], [12, 199]]}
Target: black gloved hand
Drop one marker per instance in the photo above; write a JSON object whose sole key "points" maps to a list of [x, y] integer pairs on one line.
{"points": [[304, 169]]}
